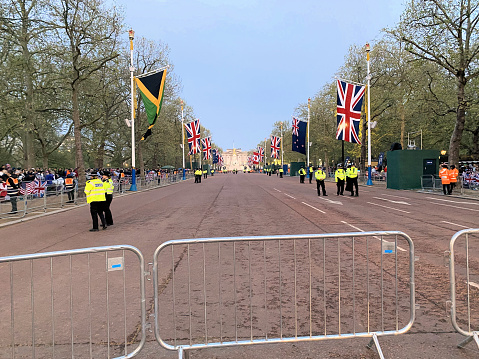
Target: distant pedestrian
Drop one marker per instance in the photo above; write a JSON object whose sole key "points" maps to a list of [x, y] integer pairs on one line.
{"points": [[311, 172]]}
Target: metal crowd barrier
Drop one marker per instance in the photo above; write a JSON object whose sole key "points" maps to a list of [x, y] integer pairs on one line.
{"points": [[84, 303], [464, 301], [218, 292]]}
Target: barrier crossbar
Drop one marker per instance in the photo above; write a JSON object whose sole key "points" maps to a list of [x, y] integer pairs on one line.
{"points": [[84, 303], [465, 319], [216, 292]]}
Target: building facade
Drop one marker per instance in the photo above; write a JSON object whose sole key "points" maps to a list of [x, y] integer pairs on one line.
{"points": [[235, 159]]}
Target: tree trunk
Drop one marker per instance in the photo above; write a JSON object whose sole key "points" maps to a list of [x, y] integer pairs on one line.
{"points": [[455, 143], [29, 153], [79, 163], [475, 144], [140, 159], [100, 155], [45, 160]]}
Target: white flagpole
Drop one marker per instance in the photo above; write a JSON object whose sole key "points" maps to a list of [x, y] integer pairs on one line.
{"points": [[183, 139], [370, 181], [131, 35], [281, 144], [307, 155]]}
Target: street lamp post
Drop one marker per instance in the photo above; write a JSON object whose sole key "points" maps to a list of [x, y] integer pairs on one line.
{"points": [[131, 35], [370, 181]]}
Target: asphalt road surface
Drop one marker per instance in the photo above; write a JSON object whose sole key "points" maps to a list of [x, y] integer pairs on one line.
{"points": [[259, 205]]}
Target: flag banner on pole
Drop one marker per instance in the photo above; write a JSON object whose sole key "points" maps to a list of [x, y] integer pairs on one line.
{"points": [[299, 135], [261, 154], [214, 156], [193, 132], [151, 88], [206, 145], [256, 158], [275, 146], [350, 102]]}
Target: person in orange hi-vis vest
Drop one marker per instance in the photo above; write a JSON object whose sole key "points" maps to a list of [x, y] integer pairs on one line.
{"points": [[444, 175], [453, 174]]}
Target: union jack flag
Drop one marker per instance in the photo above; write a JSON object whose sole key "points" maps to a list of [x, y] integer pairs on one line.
{"points": [[206, 144], [261, 154], [193, 132], [295, 126], [275, 146], [350, 102]]}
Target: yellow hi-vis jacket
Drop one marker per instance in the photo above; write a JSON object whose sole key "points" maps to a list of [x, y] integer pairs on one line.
{"points": [[108, 185], [339, 175], [319, 175], [302, 172], [352, 172], [198, 173], [94, 190]]}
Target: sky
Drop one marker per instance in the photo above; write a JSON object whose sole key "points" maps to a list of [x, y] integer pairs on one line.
{"points": [[245, 64]]}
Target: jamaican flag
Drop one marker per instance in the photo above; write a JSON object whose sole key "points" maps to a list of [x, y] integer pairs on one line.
{"points": [[151, 87]]}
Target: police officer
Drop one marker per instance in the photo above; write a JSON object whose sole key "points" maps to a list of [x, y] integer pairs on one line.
{"points": [[205, 174], [198, 176], [302, 174], [109, 188], [311, 170], [281, 172], [95, 196], [340, 176], [320, 176], [352, 175]]}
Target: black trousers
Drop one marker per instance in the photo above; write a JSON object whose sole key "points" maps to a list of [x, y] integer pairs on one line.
{"points": [[446, 188], [96, 210], [301, 178], [13, 201], [71, 194], [106, 209], [281, 175], [310, 177], [321, 184], [340, 186], [354, 182], [452, 185]]}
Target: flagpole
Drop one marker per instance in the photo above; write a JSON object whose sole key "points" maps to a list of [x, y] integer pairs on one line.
{"points": [[183, 139], [307, 159], [131, 35], [370, 181], [281, 144]]}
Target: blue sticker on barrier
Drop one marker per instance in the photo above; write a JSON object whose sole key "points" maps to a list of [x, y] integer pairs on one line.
{"points": [[116, 266], [388, 251]]}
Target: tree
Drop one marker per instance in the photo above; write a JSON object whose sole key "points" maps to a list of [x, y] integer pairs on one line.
{"points": [[446, 33]]}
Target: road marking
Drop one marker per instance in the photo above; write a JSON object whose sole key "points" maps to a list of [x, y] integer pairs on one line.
{"points": [[277, 190], [395, 209], [472, 284], [330, 200], [360, 230], [391, 195], [313, 207], [450, 205], [455, 224], [448, 200], [289, 196], [392, 201]]}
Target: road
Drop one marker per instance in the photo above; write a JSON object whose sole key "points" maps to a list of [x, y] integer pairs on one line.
{"points": [[255, 204]]}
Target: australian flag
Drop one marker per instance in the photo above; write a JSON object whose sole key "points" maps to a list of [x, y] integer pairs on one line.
{"points": [[299, 135], [214, 156]]}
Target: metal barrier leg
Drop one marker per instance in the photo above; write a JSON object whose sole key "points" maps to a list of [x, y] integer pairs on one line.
{"points": [[375, 340], [469, 339], [182, 353]]}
